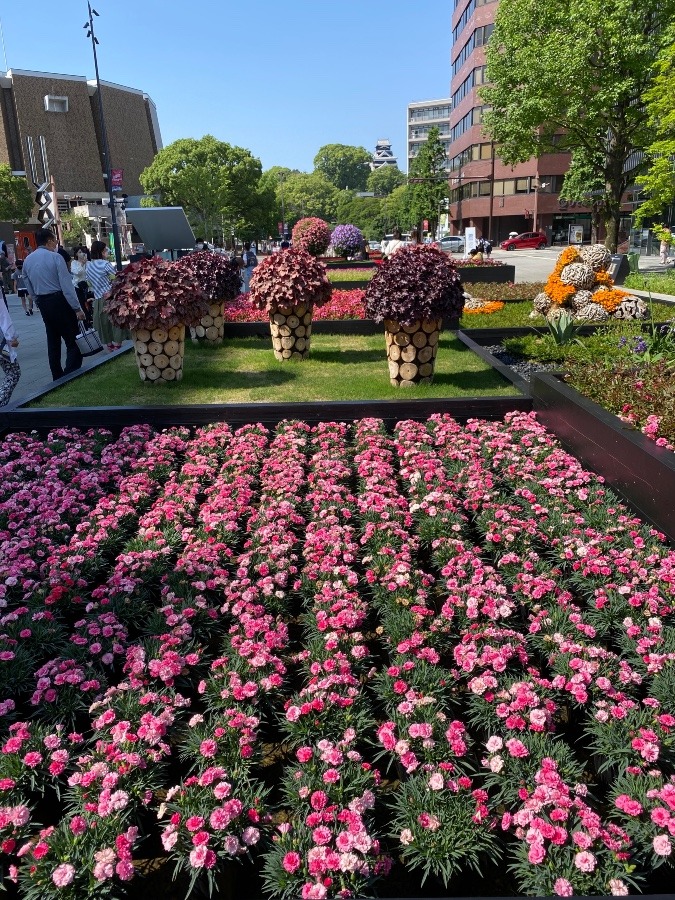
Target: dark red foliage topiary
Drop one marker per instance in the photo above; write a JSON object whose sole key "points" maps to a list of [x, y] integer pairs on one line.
{"points": [[288, 278], [154, 293], [217, 275], [416, 282]]}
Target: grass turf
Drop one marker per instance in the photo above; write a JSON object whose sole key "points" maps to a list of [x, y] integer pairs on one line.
{"points": [[244, 370]]}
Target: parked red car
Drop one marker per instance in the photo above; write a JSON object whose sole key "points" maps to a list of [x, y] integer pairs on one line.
{"points": [[532, 239]]}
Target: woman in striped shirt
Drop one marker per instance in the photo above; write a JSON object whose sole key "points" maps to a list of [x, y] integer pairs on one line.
{"points": [[100, 274]]}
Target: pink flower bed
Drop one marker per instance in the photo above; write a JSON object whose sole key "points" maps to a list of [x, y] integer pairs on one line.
{"points": [[342, 305], [334, 651]]}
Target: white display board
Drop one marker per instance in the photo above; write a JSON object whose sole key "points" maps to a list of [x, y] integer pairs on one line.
{"points": [[576, 234], [469, 240]]}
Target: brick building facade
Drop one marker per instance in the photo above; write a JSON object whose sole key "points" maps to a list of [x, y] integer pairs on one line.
{"points": [[63, 109]]}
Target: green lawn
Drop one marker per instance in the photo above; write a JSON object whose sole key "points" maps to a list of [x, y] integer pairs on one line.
{"points": [[244, 370], [516, 313]]}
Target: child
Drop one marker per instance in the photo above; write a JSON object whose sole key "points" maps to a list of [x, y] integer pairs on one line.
{"points": [[24, 296], [8, 361]]}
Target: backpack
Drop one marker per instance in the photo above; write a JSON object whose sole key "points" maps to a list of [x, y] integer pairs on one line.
{"points": [[251, 259]]}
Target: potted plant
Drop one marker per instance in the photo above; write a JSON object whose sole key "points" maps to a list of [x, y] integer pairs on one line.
{"points": [[412, 292], [312, 235], [156, 299], [288, 285], [220, 280], [346, 240]]}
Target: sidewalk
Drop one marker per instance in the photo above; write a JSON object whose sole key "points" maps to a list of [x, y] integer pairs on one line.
{"points": [[32, 352]]}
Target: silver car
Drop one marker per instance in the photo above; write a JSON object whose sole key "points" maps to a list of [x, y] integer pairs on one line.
{"points": [[452, 243]]}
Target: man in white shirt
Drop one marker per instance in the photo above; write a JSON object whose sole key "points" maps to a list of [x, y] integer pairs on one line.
{"points": [[49, 283]]}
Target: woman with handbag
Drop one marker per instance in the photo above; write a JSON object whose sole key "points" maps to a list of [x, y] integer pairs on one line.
{"points": [[78, 269], [100, 275]]}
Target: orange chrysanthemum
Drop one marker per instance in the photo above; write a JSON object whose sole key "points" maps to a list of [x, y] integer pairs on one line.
{"points": [[492, 306], [610, 298]]}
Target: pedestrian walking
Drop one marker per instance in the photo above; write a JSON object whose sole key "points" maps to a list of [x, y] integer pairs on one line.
{"points": [[78, 271], [8, 358], [249, 262], [487, 248], [6, 273], [394, 244], [100, 275], [20, 287], [47, 280], [664, 246]]}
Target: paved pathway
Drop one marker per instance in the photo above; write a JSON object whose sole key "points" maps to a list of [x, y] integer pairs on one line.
{"points": [[531, 265], [32, 351]]}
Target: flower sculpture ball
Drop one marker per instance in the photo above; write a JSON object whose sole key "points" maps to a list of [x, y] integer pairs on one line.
{"points": [[581, 284], [217, 275], [597, 256], [416, 283], [154, 293], [346, 240], [289, 278], [312, 235]]}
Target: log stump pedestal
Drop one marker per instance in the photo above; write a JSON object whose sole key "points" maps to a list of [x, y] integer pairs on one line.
{"points": [[159, 353], [291, 328], [211, 327], [411, 351]]}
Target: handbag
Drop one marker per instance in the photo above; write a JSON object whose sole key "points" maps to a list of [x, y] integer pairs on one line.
{"points": [[88, 341]]}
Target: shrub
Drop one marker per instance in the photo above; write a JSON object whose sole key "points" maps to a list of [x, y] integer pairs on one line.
{"points": [[312, 235], [416, 282], [154, 293], [287, 279], [217, 275], [346, 240]]}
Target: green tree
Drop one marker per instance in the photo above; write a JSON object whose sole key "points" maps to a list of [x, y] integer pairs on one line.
{"points": [[213, 181], [309, 195], [367, 213], [429, 180], [344, 166], [397, 209], [16, 199], [659, 180], [383, 180], [75, 228], [573, 80]]}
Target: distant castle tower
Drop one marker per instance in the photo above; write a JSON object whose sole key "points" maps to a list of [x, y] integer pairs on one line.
{"points": [[383, 155]]}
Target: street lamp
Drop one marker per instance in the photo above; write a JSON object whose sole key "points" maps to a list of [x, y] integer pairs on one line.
{"points": [[536, 187], [104, 140]]}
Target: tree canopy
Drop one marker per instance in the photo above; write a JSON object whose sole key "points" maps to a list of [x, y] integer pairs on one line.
{"points": [[571, 76], [384, 179], [659, 180], [213, 181], [16, 198], [308, 194], [429, 180], [344, 166]]}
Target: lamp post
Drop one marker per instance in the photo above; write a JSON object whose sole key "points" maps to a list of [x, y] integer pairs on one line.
{"points": [[104, 140], [536, 187]]}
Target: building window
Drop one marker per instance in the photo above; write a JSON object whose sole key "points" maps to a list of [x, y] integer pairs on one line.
{"points": [[522, 185], [56, 104]]}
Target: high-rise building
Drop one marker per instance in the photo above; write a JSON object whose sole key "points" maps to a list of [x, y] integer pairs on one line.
{"points": [[485, 192], [423, 115]]}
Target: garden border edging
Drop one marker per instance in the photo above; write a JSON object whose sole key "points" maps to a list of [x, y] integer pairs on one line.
{"points": [[632, 464]]}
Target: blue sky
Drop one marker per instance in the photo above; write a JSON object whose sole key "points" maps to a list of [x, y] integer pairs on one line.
{"points": [[280, 79]]}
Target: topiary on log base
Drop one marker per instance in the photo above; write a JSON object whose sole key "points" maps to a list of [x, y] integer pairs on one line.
{"points": [[411, 351]]}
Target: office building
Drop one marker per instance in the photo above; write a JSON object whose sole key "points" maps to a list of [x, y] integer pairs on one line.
{"points": [[485, 192], [423, 115]]}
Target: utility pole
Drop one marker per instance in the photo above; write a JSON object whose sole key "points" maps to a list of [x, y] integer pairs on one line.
{"points": [[104, 140]]}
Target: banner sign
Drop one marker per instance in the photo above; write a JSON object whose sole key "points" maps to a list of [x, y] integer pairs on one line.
{"points": [[117, 177], [469, 240]]}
